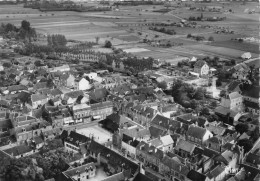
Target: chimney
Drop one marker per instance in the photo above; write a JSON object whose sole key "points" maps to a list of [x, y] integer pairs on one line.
{"points": [[150, 144]]}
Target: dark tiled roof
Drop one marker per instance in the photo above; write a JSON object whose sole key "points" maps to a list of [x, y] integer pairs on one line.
{"points": [[76, 138], [253, 91], [151, 150], [253, 171], [176, 166], [17, 88], [233, 85], [253, 159], [165, 122], [18, 150], [186, 146], [129, 140], [74, 94], [141, 177], [196, 132], [199, 63], [98, 94], [156, 132], [75, 171], [114, 159], [38, 97], [40, 85], [209, 152], [216, 172], [101, 105], [196, 176], [251, 104]]}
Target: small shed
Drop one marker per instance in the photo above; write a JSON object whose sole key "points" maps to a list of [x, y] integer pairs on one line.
{"points": [[246, 55]]}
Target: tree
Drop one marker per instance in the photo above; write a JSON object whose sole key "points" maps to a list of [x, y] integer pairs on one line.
{"points": [[214, 104], [38, 63], [199, 95], [246, 144], [97, 39], [241, 128], [25, 25], [193, 104], [211, 38], [213, 117], [162, 85], [205, 111], [233, 62], [108, 44], [218, 83], [7, 65]]}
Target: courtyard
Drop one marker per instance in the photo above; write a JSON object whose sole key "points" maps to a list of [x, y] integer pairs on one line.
{"points": [[100, 135]]}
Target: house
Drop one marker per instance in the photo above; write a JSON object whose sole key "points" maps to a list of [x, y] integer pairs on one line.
{"points": [[74, 141], [173, 169], [81, 111], [198, 135], [240, 71], [82, 84], [216, 174], [215, 143], [196, 176], [98, 95], [67, 80], [165, 143], [149, 155], [19, 151], [38, 100], [184, 148], [201, 67], [251, 99], [129, 144], [246, 56], [63, 68], [116, 162], [72, 96], [233, 101], [16, 89], [233, 87], [82, 173]]}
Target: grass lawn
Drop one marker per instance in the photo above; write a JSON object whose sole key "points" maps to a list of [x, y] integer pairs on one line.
{"points": [[247, 47]]}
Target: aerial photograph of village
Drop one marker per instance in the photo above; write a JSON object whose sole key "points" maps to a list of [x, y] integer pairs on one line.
{"points": [[129, 90]]}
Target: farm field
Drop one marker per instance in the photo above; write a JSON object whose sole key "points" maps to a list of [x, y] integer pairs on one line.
{"points": [[106, 25], [227, 52], [248, 47]]}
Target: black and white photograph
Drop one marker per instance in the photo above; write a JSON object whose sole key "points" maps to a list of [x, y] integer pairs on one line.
{"points": [[129, 90]]}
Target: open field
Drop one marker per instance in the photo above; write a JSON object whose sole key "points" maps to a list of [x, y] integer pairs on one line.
{"points": [[227, 52], [247, 47], [86, 26]]}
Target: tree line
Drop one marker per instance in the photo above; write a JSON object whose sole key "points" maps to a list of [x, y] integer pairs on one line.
{"points": [[24, 32]]}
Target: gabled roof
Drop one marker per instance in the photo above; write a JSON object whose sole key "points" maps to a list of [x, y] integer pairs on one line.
{"points": [[216, 130], [196, 132], [74, 94], [156, 132], [38, 97], [142, 177], [129, 140], [234, 95], [18, 150], [200, 63], [137, 132], [253, 91], [216, 171], [174, 165], [98, 94], [149, 149], [17, 88], [114, 159], [40, 85], [186, 146], [253, 159], [75, 171], [196, 176], [165, 122], [233, 85], [76, 138]]}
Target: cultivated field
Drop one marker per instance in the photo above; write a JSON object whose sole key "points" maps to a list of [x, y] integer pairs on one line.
{"points": [[108, 26]]}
